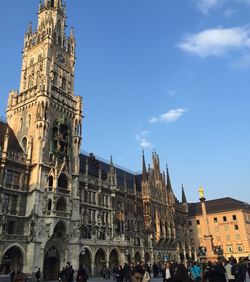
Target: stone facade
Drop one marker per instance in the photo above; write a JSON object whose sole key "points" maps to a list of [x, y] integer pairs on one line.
{"points": [[59, 205]]}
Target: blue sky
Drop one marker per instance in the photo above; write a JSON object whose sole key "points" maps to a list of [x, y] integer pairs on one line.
{"points": [[166, 75]]}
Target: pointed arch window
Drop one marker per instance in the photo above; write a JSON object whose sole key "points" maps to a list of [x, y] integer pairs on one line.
{"points": [[63, 83], [55, 78], [28, 121], [49, 206], [50, 181], [24, 144], [61, 205], [31, 61], [63, 181], [21, 124]]}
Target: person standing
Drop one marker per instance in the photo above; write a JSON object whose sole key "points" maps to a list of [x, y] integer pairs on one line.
{"points": [[167, 273], [239, 272], [119, 274], [195, 272], [12, 275], [181, 274], [229, 274], [38, 275], [137, 274], [82, 275]]}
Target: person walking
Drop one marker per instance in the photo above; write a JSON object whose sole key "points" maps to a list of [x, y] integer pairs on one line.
{"points": [[195, 272], [82, 275], [119, 274], [213, 273], [38, 275], [12, 275], [181, 274], [239, 271], [167, 273], [230, 276]]}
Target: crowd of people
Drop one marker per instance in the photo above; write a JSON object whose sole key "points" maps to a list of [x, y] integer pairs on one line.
{"points": [[219, 271]]}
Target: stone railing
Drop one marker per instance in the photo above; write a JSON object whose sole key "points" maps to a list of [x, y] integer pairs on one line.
{"points": [[15, 237]]}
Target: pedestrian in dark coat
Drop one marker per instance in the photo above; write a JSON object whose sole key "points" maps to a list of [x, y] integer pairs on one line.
{"points": [[214, 274], [181, 274], [119, 274], [38, 275], [12, 275], [82, 275]]}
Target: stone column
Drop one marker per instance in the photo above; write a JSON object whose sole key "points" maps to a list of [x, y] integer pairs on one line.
{"points": [[93, 268], [207, 236]]}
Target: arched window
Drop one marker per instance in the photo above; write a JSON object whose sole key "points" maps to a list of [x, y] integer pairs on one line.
{"points": [[63, 181], [52, 3], [24, 144], [49, 206], [59, 40], [61, 205], [63, 83], [28, 121], [40, 57], [21, 124], [50, 181], [31, 61], [55, 78], [58, 25]]}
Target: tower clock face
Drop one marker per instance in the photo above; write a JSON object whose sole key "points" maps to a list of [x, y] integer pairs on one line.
{"points": [[60, 59]]}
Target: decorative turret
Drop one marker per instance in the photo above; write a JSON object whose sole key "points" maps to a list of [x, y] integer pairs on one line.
{"points": [[112, 177]]}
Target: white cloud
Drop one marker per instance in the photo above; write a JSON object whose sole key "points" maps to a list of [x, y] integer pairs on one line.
{"points": [[144, 143], [216, 42], [170, 116], [205, 5]]}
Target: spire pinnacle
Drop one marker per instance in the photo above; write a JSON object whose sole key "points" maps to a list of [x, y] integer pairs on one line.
{"points": [[144, 170], [111, 161], [169, 187], [184, 199]]}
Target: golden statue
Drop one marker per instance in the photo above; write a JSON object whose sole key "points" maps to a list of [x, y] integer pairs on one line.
{"points": [[201, 192]]}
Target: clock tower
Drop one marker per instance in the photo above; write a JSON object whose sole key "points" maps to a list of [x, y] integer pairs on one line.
{"points": [[46, 118]]}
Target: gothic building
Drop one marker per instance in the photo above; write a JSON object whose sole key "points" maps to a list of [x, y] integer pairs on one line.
{"points": [[59, 205]]}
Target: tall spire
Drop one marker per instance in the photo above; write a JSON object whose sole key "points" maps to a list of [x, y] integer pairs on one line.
{"points": [[169, 187], [144, 170], [183, 198]]}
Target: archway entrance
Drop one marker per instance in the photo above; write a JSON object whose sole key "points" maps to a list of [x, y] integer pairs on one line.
{"points": [[137, 257], [85, 260], [113, 259], [99, 261], [51, 264], [12, 259]]}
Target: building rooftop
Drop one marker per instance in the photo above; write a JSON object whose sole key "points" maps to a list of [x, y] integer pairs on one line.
{"points": [[218, 205], [123, 175]]}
